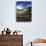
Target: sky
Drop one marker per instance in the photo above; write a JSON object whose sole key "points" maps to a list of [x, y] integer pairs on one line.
{"points": [[24, 3], [21, 4]]}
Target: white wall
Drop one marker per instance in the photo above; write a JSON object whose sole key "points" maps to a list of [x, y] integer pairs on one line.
{"points": [[30, 30], [39, 44], [8, 19], [39, 18]]}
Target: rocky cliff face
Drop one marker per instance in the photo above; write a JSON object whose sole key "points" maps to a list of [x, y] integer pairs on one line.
{"points": [[39, 40]]}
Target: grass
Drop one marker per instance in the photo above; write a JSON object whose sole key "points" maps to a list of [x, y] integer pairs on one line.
{"points": [[24, 14], [23, 17]]}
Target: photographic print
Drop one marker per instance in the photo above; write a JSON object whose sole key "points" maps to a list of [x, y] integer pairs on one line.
{"points": [[23, 11]]}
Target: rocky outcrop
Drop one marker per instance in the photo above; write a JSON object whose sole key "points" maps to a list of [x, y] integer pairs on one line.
{"points": [[39, 40]]}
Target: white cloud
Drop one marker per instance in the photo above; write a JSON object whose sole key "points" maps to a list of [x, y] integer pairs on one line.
{"points": [[19, 7]]}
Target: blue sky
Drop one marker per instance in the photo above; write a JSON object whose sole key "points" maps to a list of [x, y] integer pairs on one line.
{"points": [[24, 3]]}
